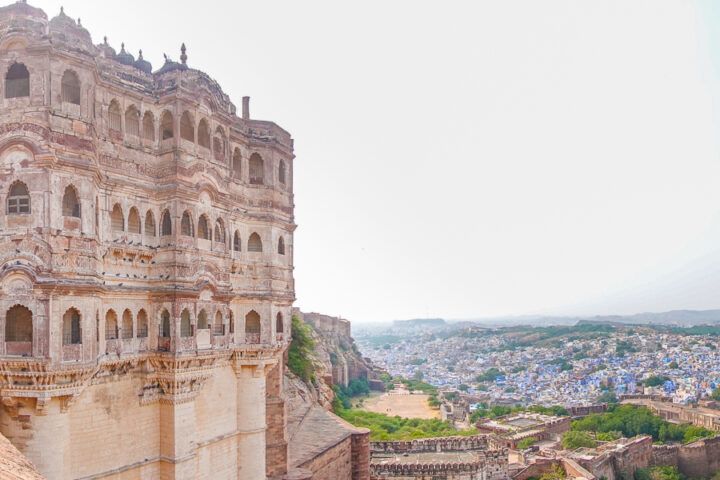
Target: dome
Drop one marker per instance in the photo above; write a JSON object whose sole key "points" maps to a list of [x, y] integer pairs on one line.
{"points": [[67, 30], [106, 49], [21, 8], [124, 57], [142, 64], [62, 20], [169, 66]]}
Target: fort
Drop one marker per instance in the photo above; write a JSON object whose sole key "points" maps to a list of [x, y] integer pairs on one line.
{"points": [[508, 430], [146, 263]]}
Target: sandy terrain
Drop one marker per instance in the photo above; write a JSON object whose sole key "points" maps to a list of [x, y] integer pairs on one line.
{"points": [[408, 406]]}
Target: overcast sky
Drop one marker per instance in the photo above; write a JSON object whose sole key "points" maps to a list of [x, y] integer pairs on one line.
{"points": [[476, 158]]}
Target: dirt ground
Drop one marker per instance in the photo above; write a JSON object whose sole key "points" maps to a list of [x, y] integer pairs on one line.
{"points": [[408, 406]]}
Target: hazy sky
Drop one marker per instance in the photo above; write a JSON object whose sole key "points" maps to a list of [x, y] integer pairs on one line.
{"points": [[476, 158]]}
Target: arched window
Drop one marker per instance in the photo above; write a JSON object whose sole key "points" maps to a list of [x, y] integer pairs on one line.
{"points": [[18, 324], [281, 246], [185, 326], [150, 224], [132, 121], [71, 328], [164, 324], [142, 324], [148, 126], [17, 81], [187, 127], [203, 230], [114, 118], [127, 324], [279, 327], [134, 221], [256, 169], [281, 172], [219, 145], [166, 223], [18, 200], [236, 241], [186, 227], [204, 134], [70, 87], [202, 323], [236, 163], [166, 125], [252, 322], [111, 332], [117, 219], [231, 322], [218, 325], [70, 205], [254, 243], [219, 231]]}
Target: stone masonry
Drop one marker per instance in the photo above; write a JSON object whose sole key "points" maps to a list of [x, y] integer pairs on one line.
{"points": [[146, 263]]}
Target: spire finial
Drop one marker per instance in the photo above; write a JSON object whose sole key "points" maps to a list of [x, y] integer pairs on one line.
{"points": [[62, 10], [183, 56], [105, 39], [122, 47], [165, 56], [140, 55], [79, 22]]}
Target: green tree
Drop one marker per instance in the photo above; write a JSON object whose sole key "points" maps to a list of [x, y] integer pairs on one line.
{"points": [[716, 394], [463, 388], [576, 439], [607, 397], [489, 375], [419, 375], [673, 365], [300, 351], [555, 473], [526, 443]]}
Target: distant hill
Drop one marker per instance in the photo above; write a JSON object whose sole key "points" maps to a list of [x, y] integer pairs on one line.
{"points": [[682, 318], [419, 322]]}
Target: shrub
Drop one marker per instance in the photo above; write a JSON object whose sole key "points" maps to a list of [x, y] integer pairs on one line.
{"points": [[300, 351], [576, 439]]}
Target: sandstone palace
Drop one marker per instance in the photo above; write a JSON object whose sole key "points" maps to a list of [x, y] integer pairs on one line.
{"points": [[146, 263]]}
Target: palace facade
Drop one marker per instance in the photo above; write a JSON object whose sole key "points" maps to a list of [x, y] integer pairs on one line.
{"points": [[146, 263]]}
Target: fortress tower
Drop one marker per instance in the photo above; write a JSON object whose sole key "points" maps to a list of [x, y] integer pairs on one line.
{"points": [[146, 263]]}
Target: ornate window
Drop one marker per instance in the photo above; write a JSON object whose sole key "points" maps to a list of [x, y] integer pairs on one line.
{"points": [[166, 223], [185, 326], [257, 168], [203, 230], [142, 324], [17, 81], [70, 205], [18, 324], [218, 325], [186, 227], [166, 126], [236, 241], [202, 323], [281, 172], [236, 163], [127, 324], [117, 219], [71, 328], [254, 243], [18, 200], [187, 127], [281, 246], [279, 327], [134, 221], [111, 327], [252, 322], [219, 231], [70, 87], [204, 134], [164, 324], [132, 121], [148, 126], [114, 117], [150, 224]]}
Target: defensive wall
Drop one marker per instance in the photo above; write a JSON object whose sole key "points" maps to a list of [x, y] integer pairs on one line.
{"points": [[700, 459]]}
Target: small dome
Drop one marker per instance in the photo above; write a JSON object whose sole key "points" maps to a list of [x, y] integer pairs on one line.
{"points": [[106, 49], [142, 64], [21, 8], [169, 66], [62, 20], [124, 57]]}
